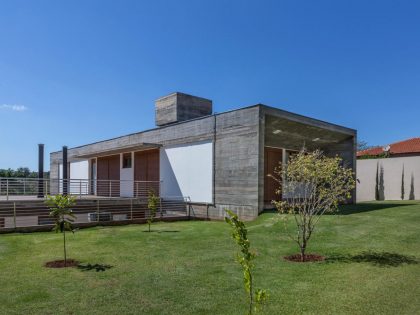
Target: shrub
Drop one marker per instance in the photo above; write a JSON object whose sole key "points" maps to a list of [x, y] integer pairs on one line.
{"points": [[239, 234], [63, 216], [312, 184]]}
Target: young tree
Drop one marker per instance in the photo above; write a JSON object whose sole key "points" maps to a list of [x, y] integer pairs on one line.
{"points": [[63, 216], [362, 145], [152, 204], [313, 185], [239, 234]]}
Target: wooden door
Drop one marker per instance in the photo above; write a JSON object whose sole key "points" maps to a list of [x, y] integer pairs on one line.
{"points": [[272, 160], [108, 174], [146, 172]]}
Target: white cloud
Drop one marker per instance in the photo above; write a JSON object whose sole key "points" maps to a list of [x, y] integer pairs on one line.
{"points": [[15, 108]]}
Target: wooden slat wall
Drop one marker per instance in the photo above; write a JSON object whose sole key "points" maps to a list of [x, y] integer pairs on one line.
{"points": [[146, 166], [273, 158], [108, 168]]}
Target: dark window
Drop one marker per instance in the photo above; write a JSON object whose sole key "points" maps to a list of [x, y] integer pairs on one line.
{"points": [[127, 160]]}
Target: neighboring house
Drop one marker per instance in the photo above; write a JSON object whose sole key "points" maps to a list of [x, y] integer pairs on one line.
{"points": [[391, 172], [217, 160]]}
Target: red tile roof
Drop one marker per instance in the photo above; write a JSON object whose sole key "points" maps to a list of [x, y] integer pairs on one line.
{"points": [[402, 147]]}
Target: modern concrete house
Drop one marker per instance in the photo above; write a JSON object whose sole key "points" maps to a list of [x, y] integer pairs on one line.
{"points": [[218, 160]]}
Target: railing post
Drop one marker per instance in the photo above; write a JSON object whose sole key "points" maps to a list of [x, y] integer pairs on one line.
{"points": [[97, 210], [80, 190], [14, 214], [7, 189], [131, 209], [160, 199], [110, 189], [24, 187]]}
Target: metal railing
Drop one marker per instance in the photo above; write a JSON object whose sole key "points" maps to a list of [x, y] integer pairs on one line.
{"points": [[15, 215], [35, 187]]}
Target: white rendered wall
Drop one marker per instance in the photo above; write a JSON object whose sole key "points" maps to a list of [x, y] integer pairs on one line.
{"points": [[392, 170], [78, 171], [60, 177], [127, 178], [79, 175], [187, 170]]}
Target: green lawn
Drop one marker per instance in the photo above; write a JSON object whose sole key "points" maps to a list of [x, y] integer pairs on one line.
{"points": [[189, 267]]}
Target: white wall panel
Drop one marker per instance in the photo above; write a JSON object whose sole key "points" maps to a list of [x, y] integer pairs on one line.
{"points": [[79, 170], [391, 171], [79, 175], [187, 170], [127, 178]]}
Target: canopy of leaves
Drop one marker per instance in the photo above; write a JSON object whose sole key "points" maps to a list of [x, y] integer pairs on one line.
{"points": [[60, 211], [314, 182]]}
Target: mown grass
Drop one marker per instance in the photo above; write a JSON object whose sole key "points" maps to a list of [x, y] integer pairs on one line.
{"points": [[373, 267]]}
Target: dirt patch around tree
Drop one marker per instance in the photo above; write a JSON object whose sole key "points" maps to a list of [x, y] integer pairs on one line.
{"points": [[308, 258], [62, 264]]}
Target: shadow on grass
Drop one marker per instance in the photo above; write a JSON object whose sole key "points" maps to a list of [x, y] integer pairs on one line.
{"points": [[361, 207], [96, 267], [381, 259], [271, 210], [161, 231], [367, 207]]}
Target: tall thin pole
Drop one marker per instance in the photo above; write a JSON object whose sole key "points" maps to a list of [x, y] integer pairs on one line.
{"points": [[40, 170]]}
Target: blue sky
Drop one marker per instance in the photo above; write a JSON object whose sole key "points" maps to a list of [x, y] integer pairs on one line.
{"points": [[75, 72]]}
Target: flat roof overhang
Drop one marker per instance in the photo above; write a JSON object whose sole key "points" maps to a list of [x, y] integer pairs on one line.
{"points": [[122, 149], [291, 134]]}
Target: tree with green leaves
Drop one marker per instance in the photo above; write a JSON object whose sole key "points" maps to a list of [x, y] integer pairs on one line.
{"points": [[63, 216], [255, 297], [311, 185], [152, 205]]}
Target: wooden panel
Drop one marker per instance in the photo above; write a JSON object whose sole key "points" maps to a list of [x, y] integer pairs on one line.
{"points": [[114, 175], [146, 169], [108, 171], [272, 159], [102, 169], [153, 166]]}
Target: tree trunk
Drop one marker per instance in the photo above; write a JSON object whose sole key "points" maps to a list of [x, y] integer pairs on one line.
{"points": [[65, 253], [251, 300], [302, 254], [303, 250]]}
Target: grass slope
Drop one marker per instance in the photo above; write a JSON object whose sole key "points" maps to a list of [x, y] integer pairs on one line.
{"points": [[189, 267]]}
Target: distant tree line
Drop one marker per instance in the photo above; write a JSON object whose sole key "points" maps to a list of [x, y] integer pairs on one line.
{"points": [[21, 172]]}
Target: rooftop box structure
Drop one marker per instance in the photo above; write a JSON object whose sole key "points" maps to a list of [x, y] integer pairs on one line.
{"points": [[177, 107]]}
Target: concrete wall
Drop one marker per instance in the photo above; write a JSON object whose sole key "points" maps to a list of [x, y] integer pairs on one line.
{"points": [[390, 180], [237, 162]]}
